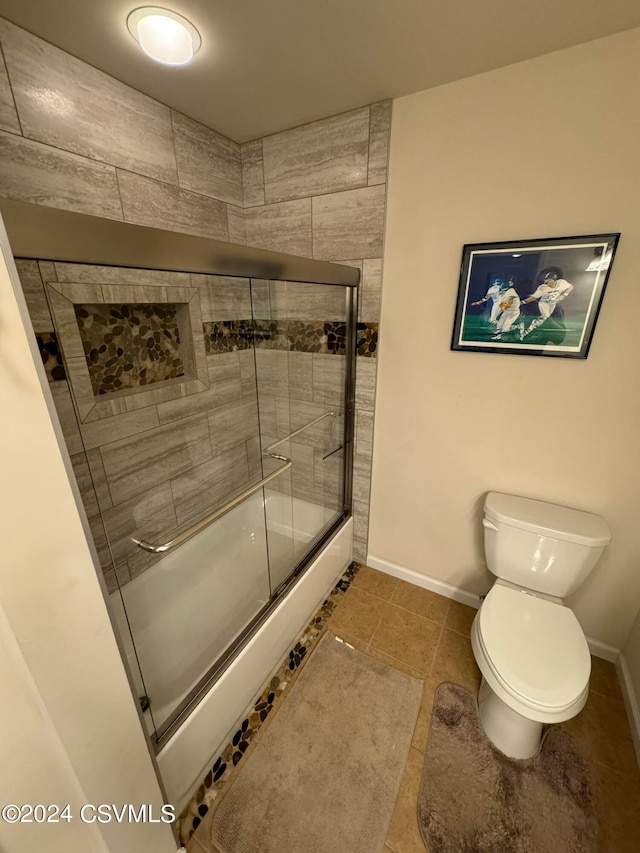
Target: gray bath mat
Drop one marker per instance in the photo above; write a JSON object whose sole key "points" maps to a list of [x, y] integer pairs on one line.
{"points": [[325, 775], [473, 799]]}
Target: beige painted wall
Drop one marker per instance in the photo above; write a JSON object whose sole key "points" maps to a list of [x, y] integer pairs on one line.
{"points": [[547, 147], [68, 720]]}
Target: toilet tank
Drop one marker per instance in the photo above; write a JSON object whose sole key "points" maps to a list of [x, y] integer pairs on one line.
{"points": [[541, 546]]}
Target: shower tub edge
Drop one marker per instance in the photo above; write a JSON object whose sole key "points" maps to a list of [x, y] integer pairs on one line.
{"points": [[185, 757]]}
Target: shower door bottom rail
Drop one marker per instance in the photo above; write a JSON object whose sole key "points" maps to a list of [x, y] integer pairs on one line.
{"points": [[214, 516]]}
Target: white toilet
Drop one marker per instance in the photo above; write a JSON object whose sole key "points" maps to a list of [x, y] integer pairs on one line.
{"points": [[529, 646]]}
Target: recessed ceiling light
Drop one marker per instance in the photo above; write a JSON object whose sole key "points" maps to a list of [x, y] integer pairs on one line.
{"points": [[164, 35]]}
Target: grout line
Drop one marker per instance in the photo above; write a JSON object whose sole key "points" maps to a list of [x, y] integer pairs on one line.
{"points": [[369, 644], [119, 194], [173, 145], [405, 609], [13, 97], [264, 180], [435, 654], [369, 148]]}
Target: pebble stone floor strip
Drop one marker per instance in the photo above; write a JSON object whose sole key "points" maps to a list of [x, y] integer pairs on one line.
{"points": [[222, 770]]}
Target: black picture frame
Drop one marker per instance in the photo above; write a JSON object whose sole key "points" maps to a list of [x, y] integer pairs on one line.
{"points": [[532, 297]]}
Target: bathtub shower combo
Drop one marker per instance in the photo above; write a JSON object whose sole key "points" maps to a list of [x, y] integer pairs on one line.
{"points": [[205, 393]]}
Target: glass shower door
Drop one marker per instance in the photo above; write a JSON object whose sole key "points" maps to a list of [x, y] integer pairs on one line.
{"points": [[179, 394], [301, 373]]}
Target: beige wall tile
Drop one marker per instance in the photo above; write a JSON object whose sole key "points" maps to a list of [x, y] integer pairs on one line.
{"points": [[321, 157], [85, 484], [44, 175], [207, 487], [252, 173], [284, 227], [67, 416], [149, 202], [248, 374], [370, 291], [34, 294], [208, 162], [150, 396], [273, 373], [137, 463], [379, 142], [8, 115], [364, 433], [307, 301], [100, 541], [225, 386], [366, 383], [301, 367], [99, 478], [149, 516], [96, 274], [71, 105], [106, 430], [361, 523], [349, 224], [328, 380], [223, 297], [232, 424], [236, 225]]}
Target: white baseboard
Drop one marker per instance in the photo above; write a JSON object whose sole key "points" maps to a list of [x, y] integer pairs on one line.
{"points": [[602, 650], [464, 596], [630, 701]]}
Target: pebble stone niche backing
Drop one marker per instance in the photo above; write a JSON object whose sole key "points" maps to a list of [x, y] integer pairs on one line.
{"points": [[222, 771], [129, 346]]}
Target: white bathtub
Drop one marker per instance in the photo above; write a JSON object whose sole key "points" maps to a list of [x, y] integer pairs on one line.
{"points": [[187, 608]]}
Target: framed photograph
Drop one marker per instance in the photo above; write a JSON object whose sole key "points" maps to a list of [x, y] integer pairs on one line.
{"points": [[532, 297]]}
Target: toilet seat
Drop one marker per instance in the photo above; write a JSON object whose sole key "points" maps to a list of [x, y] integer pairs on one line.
{"points": [[535, 650]]}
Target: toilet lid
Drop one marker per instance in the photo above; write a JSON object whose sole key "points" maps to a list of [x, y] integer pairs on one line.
{"points": [[536, 647]]}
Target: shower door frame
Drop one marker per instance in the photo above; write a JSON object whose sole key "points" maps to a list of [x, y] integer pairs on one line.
{"points": [[43, 233]]}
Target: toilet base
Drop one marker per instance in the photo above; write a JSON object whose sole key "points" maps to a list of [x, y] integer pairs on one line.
{"points": [[513, 734]]}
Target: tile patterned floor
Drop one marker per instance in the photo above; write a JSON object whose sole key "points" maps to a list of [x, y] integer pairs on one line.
{"points": [[427, 636]]}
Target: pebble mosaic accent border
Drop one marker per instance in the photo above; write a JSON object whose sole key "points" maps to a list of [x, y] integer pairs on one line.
{"points": [[227, 335], [367, 339], [51, 356], [222, 770], [129, 345], [328, 337]]}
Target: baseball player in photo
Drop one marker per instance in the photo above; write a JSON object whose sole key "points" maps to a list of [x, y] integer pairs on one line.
{"points": [[552, 290], [492, 294], [509, 305]]}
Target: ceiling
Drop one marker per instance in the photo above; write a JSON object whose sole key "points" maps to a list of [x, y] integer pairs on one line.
{"points": [[268, 65]]}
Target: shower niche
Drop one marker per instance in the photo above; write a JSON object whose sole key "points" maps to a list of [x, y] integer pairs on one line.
{"points": [[127, 339]]}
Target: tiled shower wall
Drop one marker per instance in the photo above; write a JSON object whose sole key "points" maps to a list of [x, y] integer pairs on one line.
{"points": [[150, 461], [73, 137], [319, 191]]}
